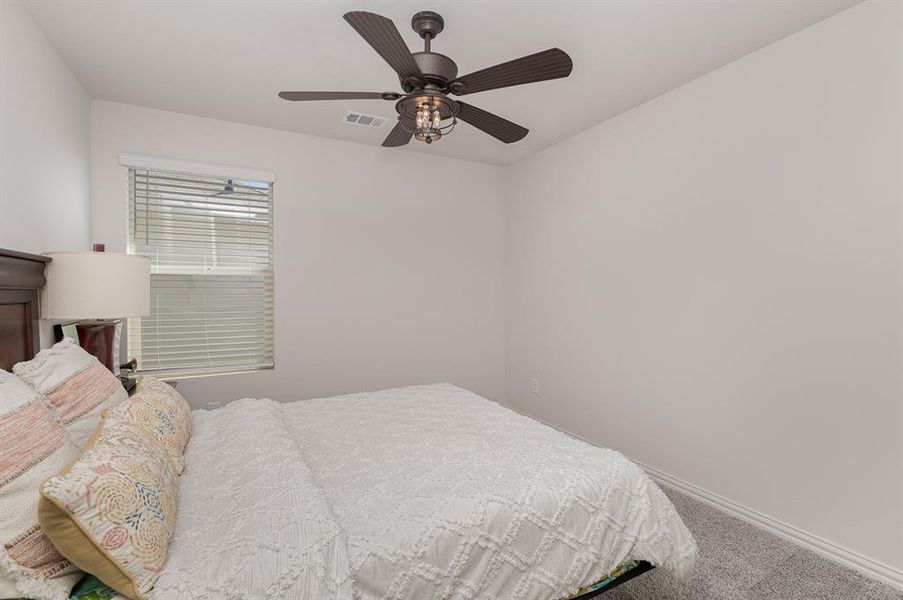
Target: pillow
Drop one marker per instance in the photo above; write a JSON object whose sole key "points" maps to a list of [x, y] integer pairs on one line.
{"points": [[161, 413], [8, 588], [112, 511], [33, 446], [75, 384]]}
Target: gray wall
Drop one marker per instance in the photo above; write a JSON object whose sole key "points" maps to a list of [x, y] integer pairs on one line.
{"points": [[711, 282], [45, 126], [386, 275]]}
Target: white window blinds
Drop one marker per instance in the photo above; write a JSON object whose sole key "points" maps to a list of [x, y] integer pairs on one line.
{"points": [[210, 241]]}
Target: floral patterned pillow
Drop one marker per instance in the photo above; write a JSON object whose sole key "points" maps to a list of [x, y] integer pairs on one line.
{"points": [[112, 511], [159, 412]]}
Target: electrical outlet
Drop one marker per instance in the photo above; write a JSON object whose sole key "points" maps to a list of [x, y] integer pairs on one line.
{"points": [[534, 386], [213, 405]]}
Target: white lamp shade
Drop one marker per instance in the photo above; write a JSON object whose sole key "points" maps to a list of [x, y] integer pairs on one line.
{"points": [[96, 285]]}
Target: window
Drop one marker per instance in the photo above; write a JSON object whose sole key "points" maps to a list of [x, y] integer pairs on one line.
{"points": [[210, 241]]}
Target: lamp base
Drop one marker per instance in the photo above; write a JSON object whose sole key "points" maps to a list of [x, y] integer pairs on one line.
{"points": [[96, 337], [129, 383]]}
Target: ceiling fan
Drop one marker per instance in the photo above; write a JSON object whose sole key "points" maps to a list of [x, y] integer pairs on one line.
{"points": [[425, 110]]}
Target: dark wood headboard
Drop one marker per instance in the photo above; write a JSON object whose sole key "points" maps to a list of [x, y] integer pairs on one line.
{"points": [[21, 278]]}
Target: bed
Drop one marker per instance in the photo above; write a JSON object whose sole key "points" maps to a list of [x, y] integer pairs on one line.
{"points": [[417, 492]]}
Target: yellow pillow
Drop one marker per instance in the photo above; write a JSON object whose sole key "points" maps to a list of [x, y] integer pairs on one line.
{"points": [[112, 510]]}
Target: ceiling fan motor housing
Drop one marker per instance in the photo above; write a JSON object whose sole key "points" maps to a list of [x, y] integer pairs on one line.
{"points": [[437, 69]]}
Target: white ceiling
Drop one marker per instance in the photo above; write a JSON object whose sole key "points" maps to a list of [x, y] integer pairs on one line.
{"points": [[227, 59]]}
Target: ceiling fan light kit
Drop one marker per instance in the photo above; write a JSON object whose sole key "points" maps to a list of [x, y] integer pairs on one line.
{"points": [[425, 111]]}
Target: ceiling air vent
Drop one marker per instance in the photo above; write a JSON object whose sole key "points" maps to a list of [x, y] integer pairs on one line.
{"points": [[353, 118]]}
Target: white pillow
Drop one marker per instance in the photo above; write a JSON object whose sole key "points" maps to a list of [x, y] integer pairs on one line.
{"points": [[75, 384], [8, 588], [34, 446]]}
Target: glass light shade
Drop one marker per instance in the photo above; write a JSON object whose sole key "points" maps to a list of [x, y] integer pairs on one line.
{"points": [[96, 285]]}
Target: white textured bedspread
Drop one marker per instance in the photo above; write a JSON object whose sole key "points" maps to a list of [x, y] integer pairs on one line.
{"points": [[426, 492], [252, 522]]}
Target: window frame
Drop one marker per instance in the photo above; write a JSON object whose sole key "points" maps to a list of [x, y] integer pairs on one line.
{"points": [[204, 270]]}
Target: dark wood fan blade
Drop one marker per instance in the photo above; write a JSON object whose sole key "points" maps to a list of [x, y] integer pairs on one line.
{"points": [[295, 96], [399, 136], [383, 36], [549, 64], [499, 128]]}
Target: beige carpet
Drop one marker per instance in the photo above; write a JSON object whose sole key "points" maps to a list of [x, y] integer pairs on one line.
{"points": [[741, 562]]}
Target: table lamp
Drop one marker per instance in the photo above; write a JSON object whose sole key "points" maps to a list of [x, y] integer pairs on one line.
{"points": [[96, 289]]}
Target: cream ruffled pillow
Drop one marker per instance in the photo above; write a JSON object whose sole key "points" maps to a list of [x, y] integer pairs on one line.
{"points": [[33, 446], [75, 384]]}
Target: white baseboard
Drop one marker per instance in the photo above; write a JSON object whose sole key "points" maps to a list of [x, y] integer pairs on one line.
{"points": [[865, 565], [870, 567]]}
